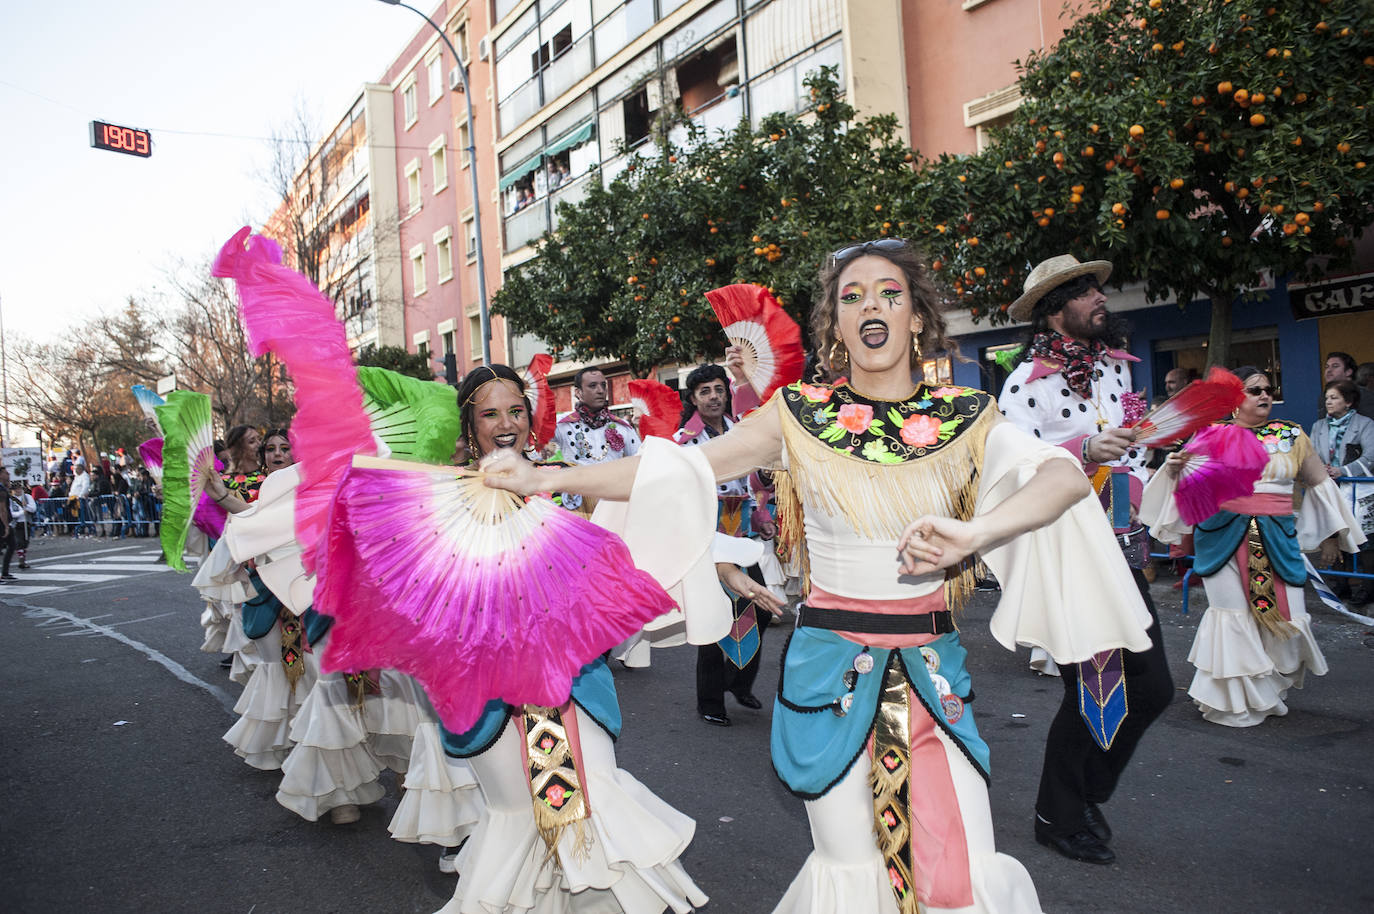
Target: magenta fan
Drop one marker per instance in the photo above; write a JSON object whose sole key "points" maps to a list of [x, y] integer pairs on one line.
{"points": [[770, 340], [474, 592], [1226, 462], [1199, 404]]}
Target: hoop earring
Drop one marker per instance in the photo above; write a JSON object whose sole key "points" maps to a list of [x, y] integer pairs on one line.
{"points": [[837, 349]]}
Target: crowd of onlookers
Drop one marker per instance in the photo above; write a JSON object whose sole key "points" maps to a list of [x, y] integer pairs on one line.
{"points": [[1344, 441], [110, 496]]}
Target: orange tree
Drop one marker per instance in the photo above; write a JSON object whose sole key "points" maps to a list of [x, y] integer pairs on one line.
{"points": [[1194, 143], [623, 276]]}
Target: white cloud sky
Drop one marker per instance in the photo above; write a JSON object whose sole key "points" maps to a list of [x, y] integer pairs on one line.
{"points": [[82, 228]]}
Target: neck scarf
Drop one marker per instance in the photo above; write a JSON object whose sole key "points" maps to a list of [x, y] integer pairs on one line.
{"points": [[1078, 358], [1338, 427], [594, 418]]}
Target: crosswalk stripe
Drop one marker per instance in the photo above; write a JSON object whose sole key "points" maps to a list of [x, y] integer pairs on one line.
{"points": [[69, 578], [19, 590], [100, 566]]}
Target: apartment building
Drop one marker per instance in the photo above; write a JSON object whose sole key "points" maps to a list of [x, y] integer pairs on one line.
{"points": [[337, 222]]}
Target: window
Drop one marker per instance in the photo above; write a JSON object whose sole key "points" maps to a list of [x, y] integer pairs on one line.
{"points": [[475, 335], [470, 238], [417, 268], [447, 341], [560, 42], [443, 253], [421, 341], [1258, 346], [464, 141], [637, 118], [990, 111], [434, 67], [413, 185], [408, 102], [438, 160], [460, 41]]}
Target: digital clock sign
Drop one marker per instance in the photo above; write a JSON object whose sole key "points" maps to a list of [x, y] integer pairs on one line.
{"points": [[128, 140]]}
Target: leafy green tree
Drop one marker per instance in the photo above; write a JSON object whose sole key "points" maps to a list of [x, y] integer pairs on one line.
{"points": [[1194, 143], [397, 359], [623, 276]]}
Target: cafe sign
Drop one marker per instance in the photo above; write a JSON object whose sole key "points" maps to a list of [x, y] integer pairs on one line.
{"points": [[1350, 295]]}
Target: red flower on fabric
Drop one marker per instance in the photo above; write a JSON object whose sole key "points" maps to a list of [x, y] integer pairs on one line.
{"points": [[816, 394], [613, 439], [920, 430], [947, 391], [546, 744], [898, 883], [855, 417], [556, 796], [889, 818]]}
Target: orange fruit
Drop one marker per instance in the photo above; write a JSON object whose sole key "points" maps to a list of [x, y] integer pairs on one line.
{"points": [[1119, 208], [1076, 189], [1089, 152], [1302, 218], [1241, 96], [1161, 214], [1176, 183], [1289, 228], [1226, 241], [1042, 222], [1342, 147], [1136, 131], [1224, 88], [1257, 98], [1257, 120]]}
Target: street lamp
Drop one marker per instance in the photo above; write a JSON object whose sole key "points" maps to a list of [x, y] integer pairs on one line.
{"points": [[472, 173]]}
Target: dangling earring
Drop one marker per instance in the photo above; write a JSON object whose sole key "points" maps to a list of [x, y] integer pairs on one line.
{"points": [[916, 347], [838, 349]]}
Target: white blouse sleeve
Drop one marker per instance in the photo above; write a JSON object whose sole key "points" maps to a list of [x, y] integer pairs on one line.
{"points": [[669, 525], [266, 533], [1325, 512], [1066, 586], [1159, 511]]}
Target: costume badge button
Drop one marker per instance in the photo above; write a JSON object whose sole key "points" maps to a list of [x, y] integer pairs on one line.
{"points": [[941, 684], [953, 707], [931, 658], [863, 663], [844, 704]]}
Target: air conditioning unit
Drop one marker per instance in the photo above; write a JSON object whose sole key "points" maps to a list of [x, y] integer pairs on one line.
{"points": [[483, 48], [455, 80]]}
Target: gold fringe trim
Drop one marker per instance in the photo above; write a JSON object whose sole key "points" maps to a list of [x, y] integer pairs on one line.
{"points": [[556, 789], [1264, 603], [293, 664], [880, 499], [791, 527]]}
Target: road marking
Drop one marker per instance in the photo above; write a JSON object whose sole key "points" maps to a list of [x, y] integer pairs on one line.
{"points": [[21, 591], [69, 578], [61, 558], [150, 558], [100, 566], [49, 615]]}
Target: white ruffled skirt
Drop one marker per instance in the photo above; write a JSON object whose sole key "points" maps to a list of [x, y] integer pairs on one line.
{"points": [[268, 705], [214, 621], [1243, 673], [441, 803], [629, 863], [242, 649], [340, 750], [845, 873]]}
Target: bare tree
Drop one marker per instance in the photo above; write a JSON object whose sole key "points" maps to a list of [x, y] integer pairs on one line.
{"points": [[130, 342], [65, 390]]}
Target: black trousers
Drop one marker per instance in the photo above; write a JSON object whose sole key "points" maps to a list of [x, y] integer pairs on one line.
{"points": [[716, 675], [1077, 771]]}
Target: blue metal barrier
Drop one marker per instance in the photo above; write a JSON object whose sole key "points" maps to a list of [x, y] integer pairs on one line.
{"points": [[114, 516]]}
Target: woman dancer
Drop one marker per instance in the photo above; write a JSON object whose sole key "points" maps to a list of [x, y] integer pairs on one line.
{"points": [[623, 854], [285, 671], [1255, 640], [888, 488]]}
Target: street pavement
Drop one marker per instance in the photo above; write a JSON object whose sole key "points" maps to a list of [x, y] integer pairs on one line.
{"points": [[120, 795]]}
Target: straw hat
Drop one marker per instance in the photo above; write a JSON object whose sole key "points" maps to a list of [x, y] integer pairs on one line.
{"points": [[1051, 273]]}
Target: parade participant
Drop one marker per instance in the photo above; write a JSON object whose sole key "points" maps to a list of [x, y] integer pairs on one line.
{"points": [[890, 487], [733, 665], [622, 854], [1070, 390], [285, 671], [1255, 640], [234, 489], [591, 433]]}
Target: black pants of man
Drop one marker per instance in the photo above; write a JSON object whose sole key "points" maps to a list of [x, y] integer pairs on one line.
{"points": [[1077, 772], [717, 675]]}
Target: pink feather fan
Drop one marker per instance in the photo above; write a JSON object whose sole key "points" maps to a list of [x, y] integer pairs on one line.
{"points": [[1198, 405], [658, 407], [474, 592], [1226, 462], [283, 312]]}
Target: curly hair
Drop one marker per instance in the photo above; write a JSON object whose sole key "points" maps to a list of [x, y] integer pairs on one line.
{"points": [[924, 301]]}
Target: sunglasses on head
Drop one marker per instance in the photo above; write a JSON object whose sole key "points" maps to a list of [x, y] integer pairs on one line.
{"points": [[854, 250], [1257, 390]]}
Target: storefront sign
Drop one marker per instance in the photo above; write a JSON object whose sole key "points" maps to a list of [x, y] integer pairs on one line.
{"points": [[1342, 296]]}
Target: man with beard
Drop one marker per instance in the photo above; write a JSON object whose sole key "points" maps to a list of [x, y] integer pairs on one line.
{"points": [[733, 664], [1069, 390]]}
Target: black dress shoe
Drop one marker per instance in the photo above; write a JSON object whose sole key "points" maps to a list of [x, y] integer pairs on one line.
{"points": [[1083, 846], [1097, 823], [749, 701], [717, 720]]}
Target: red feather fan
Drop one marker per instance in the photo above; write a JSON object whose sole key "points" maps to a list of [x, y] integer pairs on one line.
{"points": [[770, 340], [658, 407], [543, 415], [1199, 404]]}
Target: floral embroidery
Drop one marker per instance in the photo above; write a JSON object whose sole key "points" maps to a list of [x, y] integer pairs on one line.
{"points": [[920, 431], [856, 417], [1278, 435], [613, 438], [555, 796], [883, 431]]}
